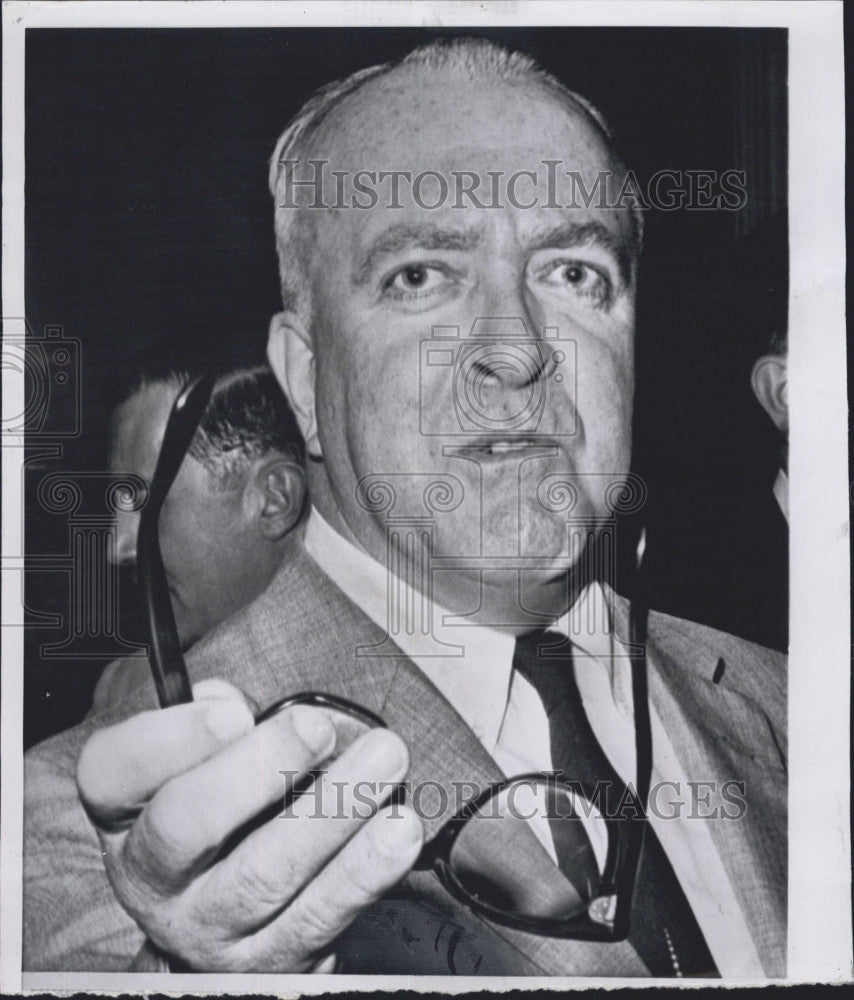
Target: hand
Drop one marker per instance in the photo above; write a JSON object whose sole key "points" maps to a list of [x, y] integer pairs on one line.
{"points": [[278, 899]]}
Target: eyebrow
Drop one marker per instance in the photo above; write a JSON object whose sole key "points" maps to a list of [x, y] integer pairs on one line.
{"points": [[566, 235], [403, 236]]}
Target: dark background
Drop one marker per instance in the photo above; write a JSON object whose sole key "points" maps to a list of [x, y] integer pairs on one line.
{"points": [[147, 214]]}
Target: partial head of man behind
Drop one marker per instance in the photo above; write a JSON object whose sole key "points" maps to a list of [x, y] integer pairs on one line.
{"points": [[761, 287], [769, 381], [231, 513], [534, 297]]}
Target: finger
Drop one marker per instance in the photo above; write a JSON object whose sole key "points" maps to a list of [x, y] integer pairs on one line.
{"points": [[121, 766], [375, 859], [215, 687], [186, 823], [272, 864]]}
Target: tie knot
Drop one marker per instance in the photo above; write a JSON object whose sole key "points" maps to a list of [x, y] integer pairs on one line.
{"points": [[543, 644], [529, 644], [545, 660]]}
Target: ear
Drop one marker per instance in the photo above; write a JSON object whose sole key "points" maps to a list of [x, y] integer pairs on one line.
{"points": [[277, 490], [769, 382], [291, 357]]}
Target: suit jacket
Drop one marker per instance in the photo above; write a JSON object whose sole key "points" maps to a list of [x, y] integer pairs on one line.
{"points": [[722, 700]]}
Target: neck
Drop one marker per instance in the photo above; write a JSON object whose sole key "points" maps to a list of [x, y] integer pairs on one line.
{"points": [[323, 500], [510, 601]]}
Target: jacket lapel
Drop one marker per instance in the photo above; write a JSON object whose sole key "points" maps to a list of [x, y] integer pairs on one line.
{"points": [[723, 701]]}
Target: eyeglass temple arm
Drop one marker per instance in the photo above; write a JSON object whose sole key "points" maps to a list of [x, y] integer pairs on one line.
{"points": [[640, 694], [165, 658], [638, 616]]}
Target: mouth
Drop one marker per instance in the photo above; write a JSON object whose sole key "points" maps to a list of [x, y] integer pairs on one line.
{"points": [[496, 449]]}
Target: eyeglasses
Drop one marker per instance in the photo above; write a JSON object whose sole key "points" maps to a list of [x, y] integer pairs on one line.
{"points": [[167, 662], [573, 868]]}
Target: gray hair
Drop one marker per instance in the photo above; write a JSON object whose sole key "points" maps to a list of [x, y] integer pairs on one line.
{"points": [[461, 58]]}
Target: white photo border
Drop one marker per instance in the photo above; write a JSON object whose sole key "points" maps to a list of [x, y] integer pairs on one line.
{"points": [[820, 650]]}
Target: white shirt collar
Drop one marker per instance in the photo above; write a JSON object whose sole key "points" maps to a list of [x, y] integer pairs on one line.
{"points": [[460, 659]]}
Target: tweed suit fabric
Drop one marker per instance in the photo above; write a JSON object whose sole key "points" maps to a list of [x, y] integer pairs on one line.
{"points": [[302, 633]]}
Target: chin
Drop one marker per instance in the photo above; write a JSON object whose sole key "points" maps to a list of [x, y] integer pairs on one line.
{"points": [[553, 536]]}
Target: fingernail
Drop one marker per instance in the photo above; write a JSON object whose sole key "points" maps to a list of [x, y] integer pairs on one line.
{"points": [[314, 728], [326, 965], [228, 718]]}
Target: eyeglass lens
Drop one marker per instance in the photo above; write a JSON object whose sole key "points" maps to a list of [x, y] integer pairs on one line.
{"points": [[558, 843]]}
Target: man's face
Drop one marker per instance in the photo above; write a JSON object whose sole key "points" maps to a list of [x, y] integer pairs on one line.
{"points": [[507, 418], [214, 560]]}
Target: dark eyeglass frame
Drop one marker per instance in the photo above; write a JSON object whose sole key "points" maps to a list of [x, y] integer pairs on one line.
{"points": [[607, 916], [581, 925], [165, 658], [318, 699], [625, 839]]}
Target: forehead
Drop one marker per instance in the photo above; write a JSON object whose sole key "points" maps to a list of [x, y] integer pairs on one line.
{"points": [[487, 131], [411, 116]]}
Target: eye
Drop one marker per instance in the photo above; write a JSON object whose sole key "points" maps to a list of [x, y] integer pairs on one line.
{"points": [[414, 281], [579, 279], [573, 274]]}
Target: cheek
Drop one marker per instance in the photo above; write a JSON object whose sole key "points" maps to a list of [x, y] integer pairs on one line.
{"points": [[176, 530], [605, 383], [605, 395], [197, 536], [367, 389]]}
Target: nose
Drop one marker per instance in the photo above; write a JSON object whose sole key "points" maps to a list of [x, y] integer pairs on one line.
{"points": [[506, 351], [124, 552], [510, 348]]}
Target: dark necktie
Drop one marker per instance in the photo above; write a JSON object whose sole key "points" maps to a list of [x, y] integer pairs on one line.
{"points": [[664, 931]]}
